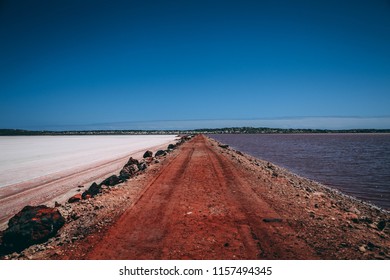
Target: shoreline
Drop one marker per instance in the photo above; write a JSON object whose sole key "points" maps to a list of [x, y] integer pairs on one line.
{"points": [[333, 224], [353, 164], [60, 185]]}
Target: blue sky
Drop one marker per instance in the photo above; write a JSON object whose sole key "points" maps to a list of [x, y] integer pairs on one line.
{"points": [[124, 64]]}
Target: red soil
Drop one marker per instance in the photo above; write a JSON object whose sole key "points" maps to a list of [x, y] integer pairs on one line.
{"points": [[201, 206], [205, 201]]}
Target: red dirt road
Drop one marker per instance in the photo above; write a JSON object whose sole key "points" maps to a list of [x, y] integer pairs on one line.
{"points": [[201, 206]]}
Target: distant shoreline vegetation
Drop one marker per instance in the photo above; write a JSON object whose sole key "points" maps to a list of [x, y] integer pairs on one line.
{"points": [[230, 130]]}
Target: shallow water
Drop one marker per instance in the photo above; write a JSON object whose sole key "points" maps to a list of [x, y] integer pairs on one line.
{"points": [[357, 164]]}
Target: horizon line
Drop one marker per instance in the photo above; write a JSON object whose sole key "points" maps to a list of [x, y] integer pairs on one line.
{"points": [[307, 122]]}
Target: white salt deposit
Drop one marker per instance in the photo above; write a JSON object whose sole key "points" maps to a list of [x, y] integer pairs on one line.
{"points": [[23, 158]]}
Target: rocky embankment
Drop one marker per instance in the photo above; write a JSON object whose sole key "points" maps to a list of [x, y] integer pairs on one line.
{"points": [[335, 225], [329, 223], [39, 228]]}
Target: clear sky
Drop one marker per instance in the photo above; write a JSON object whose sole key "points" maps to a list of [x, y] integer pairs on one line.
{"points": [[94, 63]]}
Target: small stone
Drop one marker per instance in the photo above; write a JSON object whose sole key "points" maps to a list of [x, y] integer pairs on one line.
{"points": [[272, 220], [371, 246], [74, 216], [223, 146], [381, 225], [75, 198], [362, 249]]}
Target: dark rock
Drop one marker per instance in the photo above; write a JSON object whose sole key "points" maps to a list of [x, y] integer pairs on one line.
{"points": [[142, 166], [75, 198], [171, 146], [128, 171], [371, 245], [355, 220], [160, 153], [93, 190], [224, 146], [381, 225], [111, 181], [270, 166], [186, 137], [132, 161], [56, 204], [366, 220], [74, 216], [343, 244], [32, 225], [272, 220], [178, 143], [148, 154]]}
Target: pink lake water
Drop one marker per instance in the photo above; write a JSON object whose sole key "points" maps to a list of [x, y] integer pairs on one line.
{"points": [[356, 164]]}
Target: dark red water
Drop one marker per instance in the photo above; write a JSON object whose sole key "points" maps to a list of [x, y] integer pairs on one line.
{"points": [[356, 164]]}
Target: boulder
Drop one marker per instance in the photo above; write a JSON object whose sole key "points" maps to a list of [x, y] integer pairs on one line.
{"points": [[32, 225], [142, 166], [128, 171], [160, 153], [148, 154], [132, 161], [111, 181], [93, 190], [171, 146], [186, 138], [75, 198]]}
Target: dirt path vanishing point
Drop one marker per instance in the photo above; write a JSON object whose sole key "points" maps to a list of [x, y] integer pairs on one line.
{"points": [[201, 206]]}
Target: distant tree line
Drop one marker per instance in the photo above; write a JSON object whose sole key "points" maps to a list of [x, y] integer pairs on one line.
{"points": [[228, 130], [264, 130]]}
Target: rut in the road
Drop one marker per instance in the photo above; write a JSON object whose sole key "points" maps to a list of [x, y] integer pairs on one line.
{"points": [[200, 206]]}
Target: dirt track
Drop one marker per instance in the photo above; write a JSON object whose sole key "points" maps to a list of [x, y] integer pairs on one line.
{"points": [[201, 206], [207, 201]]}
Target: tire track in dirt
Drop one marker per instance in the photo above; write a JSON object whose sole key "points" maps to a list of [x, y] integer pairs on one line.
{"points": [[200, 206]]}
